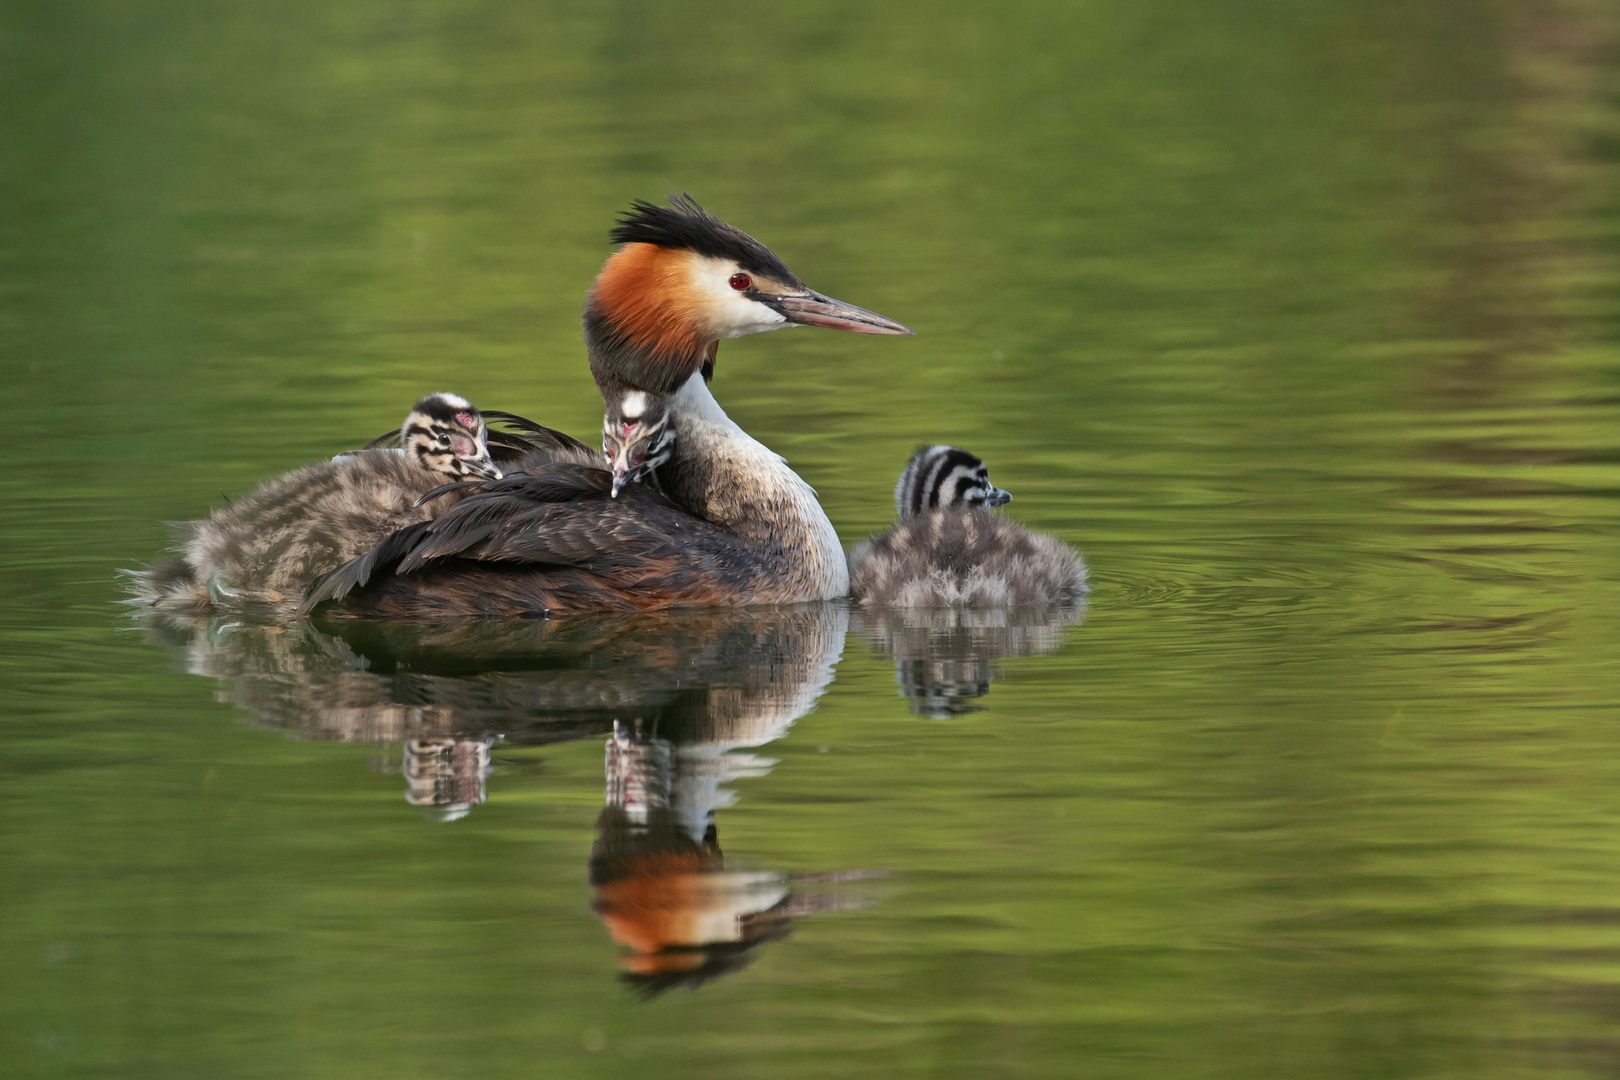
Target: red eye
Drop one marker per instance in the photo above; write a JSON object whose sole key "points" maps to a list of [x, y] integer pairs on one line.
{"points": [[741, 281]]}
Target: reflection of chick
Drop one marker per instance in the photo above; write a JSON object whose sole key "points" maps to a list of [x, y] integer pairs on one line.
{"points": [[945, 658], [447, 776], [658, 877], [948, 550]]}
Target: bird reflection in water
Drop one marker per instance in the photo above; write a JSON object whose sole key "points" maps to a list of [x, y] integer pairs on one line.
{"points": [[658, 876], [684, 700], [944, 658], [447, 777], [452, 693]]}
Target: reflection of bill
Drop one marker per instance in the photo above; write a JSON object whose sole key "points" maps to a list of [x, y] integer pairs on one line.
{"points": [[944, 657], [658, 877]]}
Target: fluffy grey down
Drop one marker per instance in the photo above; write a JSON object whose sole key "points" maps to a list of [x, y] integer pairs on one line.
{"points": [[266, 547], [961, 557]]}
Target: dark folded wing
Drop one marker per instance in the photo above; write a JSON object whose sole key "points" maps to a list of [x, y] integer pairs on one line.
{"points": [[527, 438], [336, 584], [539, 432], [555, 516]]}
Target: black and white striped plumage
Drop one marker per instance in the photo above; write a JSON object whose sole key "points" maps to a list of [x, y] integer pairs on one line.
{"points": [[638, 435], [444, 434], [948, 550], [939, 476]]}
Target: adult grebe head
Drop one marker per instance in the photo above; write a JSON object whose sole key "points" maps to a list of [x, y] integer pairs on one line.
{"points": [[683, 281]]}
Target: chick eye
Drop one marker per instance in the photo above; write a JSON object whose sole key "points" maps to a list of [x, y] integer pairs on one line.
{"points": [[443, 439], [741, 281]]}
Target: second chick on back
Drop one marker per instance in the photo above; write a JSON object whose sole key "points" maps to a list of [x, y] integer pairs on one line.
{"points": [[267, 546], [948, 550]]}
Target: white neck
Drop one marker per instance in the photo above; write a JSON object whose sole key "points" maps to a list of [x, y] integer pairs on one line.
{"points": [[728, 477]]}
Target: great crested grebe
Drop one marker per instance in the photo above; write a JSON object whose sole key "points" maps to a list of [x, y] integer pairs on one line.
{"points": [[268, 545], [737, 526], [947, 550]]}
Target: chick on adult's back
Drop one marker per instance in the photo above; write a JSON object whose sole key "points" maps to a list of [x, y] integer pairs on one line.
{"points": [[949, 550], [267, 546]]}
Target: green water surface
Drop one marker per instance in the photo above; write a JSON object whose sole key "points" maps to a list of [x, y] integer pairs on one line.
{"points": [[1299, 318]]}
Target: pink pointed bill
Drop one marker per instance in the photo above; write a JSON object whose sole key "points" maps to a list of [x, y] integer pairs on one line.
{"points": [[813, 309]]}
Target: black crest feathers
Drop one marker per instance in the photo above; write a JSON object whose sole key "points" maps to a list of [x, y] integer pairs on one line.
{"points": [[686, 226]]}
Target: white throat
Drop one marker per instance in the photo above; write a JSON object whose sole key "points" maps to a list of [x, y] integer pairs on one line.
{"points": [[746, 488], [695, 405]]}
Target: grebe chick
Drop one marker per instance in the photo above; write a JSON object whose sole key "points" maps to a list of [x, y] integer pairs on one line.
{"points": [[445, 435], [267, 547], [948, 550], [637, 435]]}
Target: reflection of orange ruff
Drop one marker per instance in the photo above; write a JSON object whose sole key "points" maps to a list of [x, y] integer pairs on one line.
{"points": [[675, 904], [665, 963]]}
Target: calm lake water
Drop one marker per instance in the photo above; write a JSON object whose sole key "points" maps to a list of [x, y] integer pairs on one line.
{"points": [[1300, 320]]}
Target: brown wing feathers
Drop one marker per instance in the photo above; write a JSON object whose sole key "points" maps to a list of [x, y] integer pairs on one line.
{"points": [[507, 520], [531, 437], [545, 541]]}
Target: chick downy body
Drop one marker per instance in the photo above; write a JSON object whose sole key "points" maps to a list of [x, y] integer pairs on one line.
{"points": [[267, 546], [949, 550]]}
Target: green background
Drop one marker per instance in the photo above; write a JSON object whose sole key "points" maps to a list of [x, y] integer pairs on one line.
{"points": [[1298, 318]]}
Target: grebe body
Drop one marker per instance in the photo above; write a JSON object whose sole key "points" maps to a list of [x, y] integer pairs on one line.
{"points": [[737, 527]]}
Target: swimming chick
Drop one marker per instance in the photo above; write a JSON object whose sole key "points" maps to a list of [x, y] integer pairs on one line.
{"points": [[948, 550]]}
